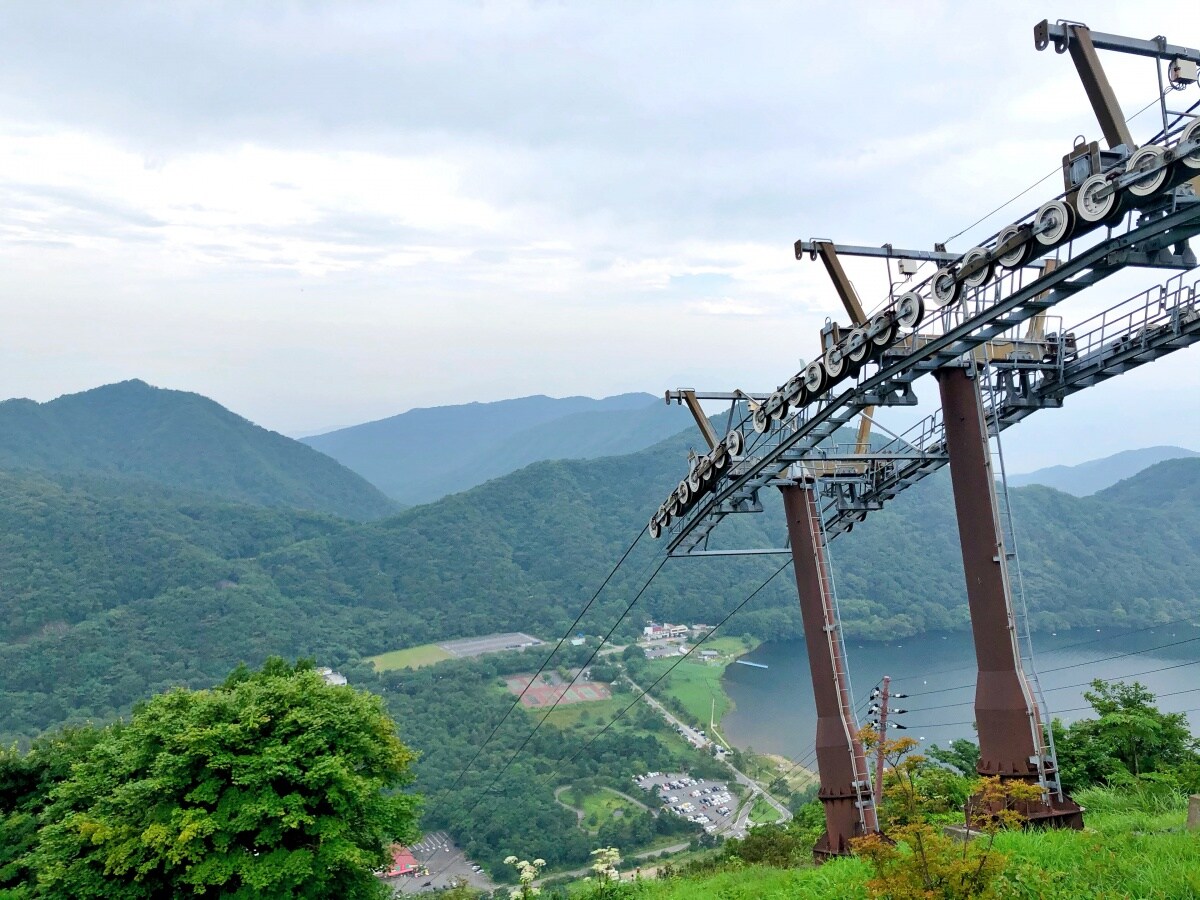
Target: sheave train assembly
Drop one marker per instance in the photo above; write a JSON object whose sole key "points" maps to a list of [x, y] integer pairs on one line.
{"points": [[978, 323]]}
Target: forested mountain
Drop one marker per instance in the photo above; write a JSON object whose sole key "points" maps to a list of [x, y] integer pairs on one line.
{"points": [[181, 440], [109, 590], [424, 454], [1097, 474]]}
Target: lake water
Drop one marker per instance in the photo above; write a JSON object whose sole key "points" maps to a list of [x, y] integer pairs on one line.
{"points": [[774, 706]]}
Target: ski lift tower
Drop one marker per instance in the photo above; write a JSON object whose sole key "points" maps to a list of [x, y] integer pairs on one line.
{"points": [[978, 324]]}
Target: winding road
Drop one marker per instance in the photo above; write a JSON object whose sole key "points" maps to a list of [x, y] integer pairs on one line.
{"points": [[738, 827]]}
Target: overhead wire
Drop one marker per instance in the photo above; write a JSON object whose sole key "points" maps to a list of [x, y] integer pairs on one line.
{"points": [[1044, 178], [484, 793], [1072, 709], [566, 634], [1186, 620], [644, 691], [1088, 662], [1063, 687], [558, 764]]}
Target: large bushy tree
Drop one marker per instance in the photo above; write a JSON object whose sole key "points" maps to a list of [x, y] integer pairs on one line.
{"points": [[1130, 738], [272, 785]]}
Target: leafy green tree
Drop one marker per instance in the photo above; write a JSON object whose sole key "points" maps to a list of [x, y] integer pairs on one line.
{"points": [[1131, 738], [272, 785], [26, 783], [962, 755]]}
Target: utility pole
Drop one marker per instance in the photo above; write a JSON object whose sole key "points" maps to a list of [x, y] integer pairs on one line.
{"points": [[883, 714]]}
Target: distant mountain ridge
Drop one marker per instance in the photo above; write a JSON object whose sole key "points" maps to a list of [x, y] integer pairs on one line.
{"points": [[164, 588], [181, 440], [424, 454], [1097, 474]]}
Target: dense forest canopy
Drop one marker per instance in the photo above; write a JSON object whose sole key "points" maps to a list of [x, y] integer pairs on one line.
{"points": [[182, 440], [112, 586]]}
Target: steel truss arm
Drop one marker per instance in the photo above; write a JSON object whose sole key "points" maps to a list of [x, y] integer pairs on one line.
{"points": [[1062, 33], [814, 248], [959, 339]]}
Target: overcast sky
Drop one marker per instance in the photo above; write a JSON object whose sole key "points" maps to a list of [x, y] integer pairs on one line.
{"points": [[320, 214]]}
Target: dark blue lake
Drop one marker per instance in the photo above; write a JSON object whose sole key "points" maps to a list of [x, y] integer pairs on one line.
{"points": [[774, 707]]}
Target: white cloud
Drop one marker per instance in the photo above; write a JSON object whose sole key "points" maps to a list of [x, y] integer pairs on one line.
{"points": [[330, 212]]}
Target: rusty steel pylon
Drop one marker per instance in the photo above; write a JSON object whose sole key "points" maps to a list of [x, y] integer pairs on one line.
{"points": [[1012, 742], [845, 786]]}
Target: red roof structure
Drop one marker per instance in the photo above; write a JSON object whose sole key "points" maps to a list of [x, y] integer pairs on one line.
{"points": [[403, 862]]}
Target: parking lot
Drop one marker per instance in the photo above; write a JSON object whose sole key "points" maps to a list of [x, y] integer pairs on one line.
{"points": [[707, 803], [446, 865], [491, 643]]}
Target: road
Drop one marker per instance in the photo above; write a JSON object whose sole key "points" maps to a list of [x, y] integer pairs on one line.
{"points": [[740, 826]]}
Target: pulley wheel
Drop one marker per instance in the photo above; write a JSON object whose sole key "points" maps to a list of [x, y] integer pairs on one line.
{"points": [[945, 287], [1191, 133], [857, 346], [1142, 160], [910, 310], [719, 457], [684, 493], [814, 378], [1052, 224], [835, 363], [1014, 259], [674, 506], [984, 275], [793, 390], [734, 443], [882, 330], [704, 469], [760, 420], [655, 528], [777, 406], [1090, 206], [694, 482]]}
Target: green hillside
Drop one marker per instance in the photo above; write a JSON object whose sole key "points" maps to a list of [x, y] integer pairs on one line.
{"points": [[110, 589], [180, 440], [1097, 474], [421, 455]]}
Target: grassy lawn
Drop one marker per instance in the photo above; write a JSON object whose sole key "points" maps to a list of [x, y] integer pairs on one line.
{"points": [[694, 684], [411, 658], [599, 807], [727, 646], [590, 716], [763, 813]]}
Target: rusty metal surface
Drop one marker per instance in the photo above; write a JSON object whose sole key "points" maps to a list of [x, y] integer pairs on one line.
{"points": [[1006, 714], [837, 747], [1002, 708]]}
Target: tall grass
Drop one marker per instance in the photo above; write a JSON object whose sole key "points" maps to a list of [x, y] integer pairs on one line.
{"points": [[1134, 846]]}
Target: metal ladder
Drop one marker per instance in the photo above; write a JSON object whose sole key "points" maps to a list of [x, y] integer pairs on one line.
{"points": [[864, 796], [1010, 563]]}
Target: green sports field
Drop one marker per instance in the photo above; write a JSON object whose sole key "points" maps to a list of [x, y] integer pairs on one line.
{"points": [[411, 658]]}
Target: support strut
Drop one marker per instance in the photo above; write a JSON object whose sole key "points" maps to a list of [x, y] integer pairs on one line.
{"points": [[1006, 712], [845, 788]]}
